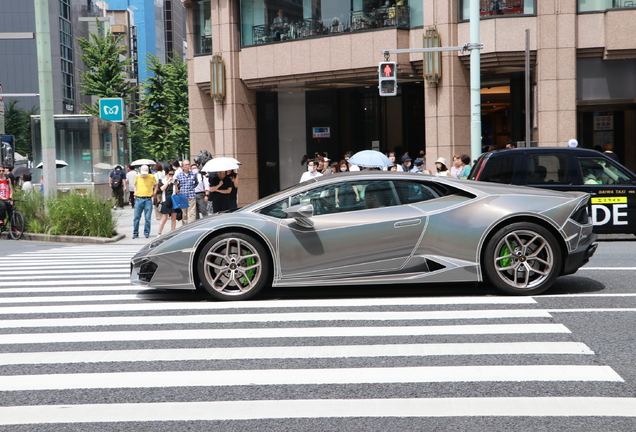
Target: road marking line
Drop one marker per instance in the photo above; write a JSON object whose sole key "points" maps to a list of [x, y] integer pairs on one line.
{"points": [[259, 304], [296, 352], [47, 274], [276, 317], [585, 295], [385, 375], [593, 310], [39, 290], [268, 333], [70, 282], [608, 268], [84, 298], [321, 408]]}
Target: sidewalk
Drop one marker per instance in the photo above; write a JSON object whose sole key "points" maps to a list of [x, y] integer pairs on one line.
{"points": [[125, 226]]}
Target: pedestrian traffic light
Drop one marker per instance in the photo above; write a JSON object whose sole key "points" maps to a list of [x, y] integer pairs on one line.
{"points": [[388, 79]]}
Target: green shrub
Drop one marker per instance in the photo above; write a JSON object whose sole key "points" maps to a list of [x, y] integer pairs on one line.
{"points": [[69, 214]]}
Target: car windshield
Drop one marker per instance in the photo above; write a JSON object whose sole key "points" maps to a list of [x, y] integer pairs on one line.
{"points": [[257, 203]]}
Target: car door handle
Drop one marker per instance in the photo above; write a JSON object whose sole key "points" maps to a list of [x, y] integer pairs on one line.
{"points": [[406, 223]]}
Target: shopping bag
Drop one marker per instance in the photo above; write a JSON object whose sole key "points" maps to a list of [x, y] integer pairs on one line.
{"points": [[179, 201]]}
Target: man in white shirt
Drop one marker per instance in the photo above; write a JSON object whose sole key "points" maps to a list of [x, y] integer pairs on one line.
{"points": [[130, 179], [312, 171]]}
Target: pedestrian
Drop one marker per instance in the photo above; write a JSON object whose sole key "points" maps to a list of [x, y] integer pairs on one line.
{"points": [[187, 184], [160, 174], [466, 164], [233, 196], [117, 182], [220, 189], [201, 192], [608, 150], [441, 169], [511, 145], [27, 184], [130, 180], [167, 187], [392, 159], [6, 193], [352, 167], [406, 163], [457, 169], [419, 167], [312, 171], [145, 187]]}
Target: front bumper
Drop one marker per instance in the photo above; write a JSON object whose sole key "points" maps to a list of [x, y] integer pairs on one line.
{"points": [[579, 257]]}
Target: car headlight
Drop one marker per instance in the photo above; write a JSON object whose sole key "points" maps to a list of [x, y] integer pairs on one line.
{"points": [[162, 239]]}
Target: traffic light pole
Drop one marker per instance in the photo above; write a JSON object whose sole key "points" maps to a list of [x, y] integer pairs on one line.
{"points": [[475, 79]]}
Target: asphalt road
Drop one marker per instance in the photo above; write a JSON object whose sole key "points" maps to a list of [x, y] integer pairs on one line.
{"points": [[82, 349]]}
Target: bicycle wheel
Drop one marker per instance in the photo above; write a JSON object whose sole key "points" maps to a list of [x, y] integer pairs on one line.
{"points": [[17, 225]]}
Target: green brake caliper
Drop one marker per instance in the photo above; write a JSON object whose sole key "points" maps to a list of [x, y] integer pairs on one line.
{"points": [[506, 262], [249, 273]]}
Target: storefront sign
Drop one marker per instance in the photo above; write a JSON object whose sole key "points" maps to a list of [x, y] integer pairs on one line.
{"points": [[321, 132], [603, 121]]}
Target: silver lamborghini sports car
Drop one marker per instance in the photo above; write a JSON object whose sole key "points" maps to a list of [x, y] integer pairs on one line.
{"points": [[376, 227]]}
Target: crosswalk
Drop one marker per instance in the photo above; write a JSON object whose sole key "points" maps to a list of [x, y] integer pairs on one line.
{"points": [[80, 345]]}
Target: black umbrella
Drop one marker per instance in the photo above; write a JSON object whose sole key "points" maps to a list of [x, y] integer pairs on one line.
{"points": [[58, 164], [21, 169]]}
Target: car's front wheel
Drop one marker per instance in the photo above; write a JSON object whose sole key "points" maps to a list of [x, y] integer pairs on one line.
{"points": [[522, 259], [233, 266]]}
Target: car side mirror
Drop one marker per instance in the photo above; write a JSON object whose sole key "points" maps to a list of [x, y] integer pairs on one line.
{"points": [[302, 214]]}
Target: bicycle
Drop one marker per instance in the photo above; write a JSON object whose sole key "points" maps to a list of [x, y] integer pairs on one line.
{"points": [[16, 223]]}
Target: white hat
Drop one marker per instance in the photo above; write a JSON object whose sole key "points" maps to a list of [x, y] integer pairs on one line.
{"points": [[144, 170], [441, 160], [573, 143]]}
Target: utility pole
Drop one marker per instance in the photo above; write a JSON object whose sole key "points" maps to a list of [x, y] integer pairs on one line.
{"points": [[475, 82], [45, 82]]}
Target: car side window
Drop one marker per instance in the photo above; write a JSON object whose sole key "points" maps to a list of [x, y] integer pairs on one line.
{"points": [[602, 171], [498, 170], [339, 198], [411, 192], [548, 169]]}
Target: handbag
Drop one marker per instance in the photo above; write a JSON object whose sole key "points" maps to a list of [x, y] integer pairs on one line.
{"points": [[179, 201]]}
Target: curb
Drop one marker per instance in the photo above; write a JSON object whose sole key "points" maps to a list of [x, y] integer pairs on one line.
{"points": [[68, 239]]}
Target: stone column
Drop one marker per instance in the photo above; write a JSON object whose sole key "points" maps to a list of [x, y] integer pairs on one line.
{"points": [[447, 104], [556, 72], [235, 117]]}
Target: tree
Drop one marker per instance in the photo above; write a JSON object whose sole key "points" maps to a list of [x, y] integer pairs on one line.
{"points": [[18, 124], [106, 75], [163, 113]]}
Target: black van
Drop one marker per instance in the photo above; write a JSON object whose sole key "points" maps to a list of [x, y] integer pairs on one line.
{"points": [[612, 186]]}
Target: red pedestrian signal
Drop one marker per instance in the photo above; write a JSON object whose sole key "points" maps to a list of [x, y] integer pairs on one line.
{"points": [[387, 72]]}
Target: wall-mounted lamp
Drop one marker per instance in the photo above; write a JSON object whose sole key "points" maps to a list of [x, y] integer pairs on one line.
{"points": [[432, 60], [217, 78]]}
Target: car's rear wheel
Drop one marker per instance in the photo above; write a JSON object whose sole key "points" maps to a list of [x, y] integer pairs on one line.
{"points": [[233, 266], [522, 259]]}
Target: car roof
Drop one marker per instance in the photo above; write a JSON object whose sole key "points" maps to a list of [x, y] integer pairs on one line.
{"points": [[576, 150]]}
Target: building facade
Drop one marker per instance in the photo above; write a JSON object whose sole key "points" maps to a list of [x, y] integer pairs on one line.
{"points": [[300, 78]]}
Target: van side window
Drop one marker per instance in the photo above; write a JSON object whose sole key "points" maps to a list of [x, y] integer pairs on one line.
{"points": [[548, 169], [601, 171], [498, 170]]}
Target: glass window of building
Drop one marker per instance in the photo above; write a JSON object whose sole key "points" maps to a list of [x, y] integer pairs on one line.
{"points": [[264, 21], [66, 54], [489, 8], [601, 5], [202, 27]]}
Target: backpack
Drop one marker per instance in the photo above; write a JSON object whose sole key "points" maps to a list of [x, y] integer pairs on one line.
{"points": [[116, 183]]}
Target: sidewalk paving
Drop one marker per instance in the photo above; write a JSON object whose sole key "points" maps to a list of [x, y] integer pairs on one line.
{"points": [[125, 226]]}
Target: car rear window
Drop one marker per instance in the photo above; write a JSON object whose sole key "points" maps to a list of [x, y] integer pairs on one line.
{"points": [[498, 170], [548, 169]]}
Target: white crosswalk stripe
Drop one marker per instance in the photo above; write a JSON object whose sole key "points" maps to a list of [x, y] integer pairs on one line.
{"points": [[113, 338]]}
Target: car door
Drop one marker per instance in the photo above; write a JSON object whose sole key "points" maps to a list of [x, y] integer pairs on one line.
{"points": [[370, 234], [613, 188]]}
